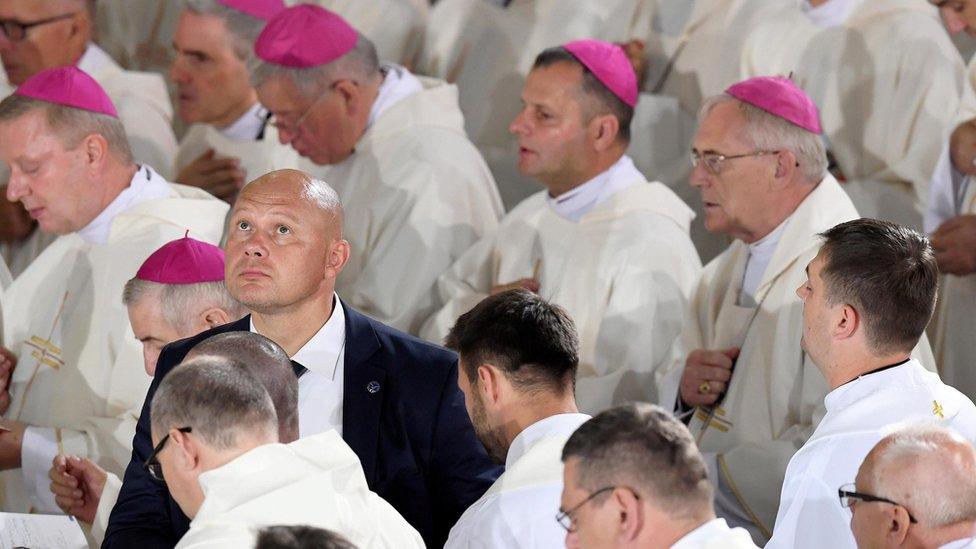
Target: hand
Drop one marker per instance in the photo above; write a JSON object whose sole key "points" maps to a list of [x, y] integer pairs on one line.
{"points": [[635, 54], [221, 177], [529, 284], [713, 367], [8, 361], [77, 485], [11, 441], [955, 245], [15, 223], [962, 147]]}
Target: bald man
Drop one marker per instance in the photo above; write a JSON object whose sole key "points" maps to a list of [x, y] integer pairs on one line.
{"points": [[916, 488], [392, 398]]}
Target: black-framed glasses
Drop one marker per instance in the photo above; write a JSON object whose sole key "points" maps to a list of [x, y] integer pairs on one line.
{"points": [[152, 464], [714, 161], [848, 497], [16, 31], [565, 518]]}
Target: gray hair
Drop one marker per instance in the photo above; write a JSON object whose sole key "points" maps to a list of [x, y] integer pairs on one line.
{"points": [[181, 303], [935, 482], [71, 125], [243, 28], [221, 401], [769, 132], [645, 447], [360, 64]]}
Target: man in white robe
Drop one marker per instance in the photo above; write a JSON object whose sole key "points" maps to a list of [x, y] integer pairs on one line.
{"points": [[888, 82], [64, 38], [600, 241], [761, 171], [229, 141], [915, 489], [416, 193], [77, 388], [868, 296], [518, 356], [658, 495]]}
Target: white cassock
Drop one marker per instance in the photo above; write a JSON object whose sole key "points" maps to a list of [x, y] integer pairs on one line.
{"points": [[624, 270], [519, 509], [715, 534], [110, 495], [858, 414], [79, 380], [488, 50], [396, 27], [416, 195], [138, 33], [315, 481], [887, 113]]}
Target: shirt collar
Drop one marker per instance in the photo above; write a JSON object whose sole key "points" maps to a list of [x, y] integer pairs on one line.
{"points": [[145, 185], [248, 127], [577, 202], [321, 354], [705, 532], [398, 84], [552, 426], [856, 389]]}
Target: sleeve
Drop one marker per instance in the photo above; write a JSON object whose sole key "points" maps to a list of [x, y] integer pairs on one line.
{"points": [[811, 517], [943, 192], [110, 495]]}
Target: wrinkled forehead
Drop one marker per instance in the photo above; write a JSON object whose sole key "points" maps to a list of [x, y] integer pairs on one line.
{"points": [[31, 10], [724, 126]]}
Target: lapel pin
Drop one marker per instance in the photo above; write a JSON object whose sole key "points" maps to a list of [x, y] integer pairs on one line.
{"points": [[373, 387]]}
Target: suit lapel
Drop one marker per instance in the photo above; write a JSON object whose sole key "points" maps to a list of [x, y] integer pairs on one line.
{"points": [[363, 389]]}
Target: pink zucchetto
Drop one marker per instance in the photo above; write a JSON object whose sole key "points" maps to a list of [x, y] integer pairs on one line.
{"points": [[184, 261], [609, 64], [780, 97], [305, 36], [262, 9], [68, 86]]}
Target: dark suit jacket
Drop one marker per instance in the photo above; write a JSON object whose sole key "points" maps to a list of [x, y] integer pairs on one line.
{"points": [[402, 414]]}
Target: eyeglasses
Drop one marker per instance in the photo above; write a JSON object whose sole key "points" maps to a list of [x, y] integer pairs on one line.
{"points": [[16, 31], [713, 161], [152, 464], [294, 127], [565, 518], [848, 497]]}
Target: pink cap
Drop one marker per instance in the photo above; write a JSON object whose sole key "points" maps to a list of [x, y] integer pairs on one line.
{"points": [[781, 97], [609, 64], [262, 9], [69, 86], [305, 36], [184, 261]]}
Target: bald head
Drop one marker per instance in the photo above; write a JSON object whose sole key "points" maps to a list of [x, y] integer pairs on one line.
{"points": [[298, 186], [268, 363]]}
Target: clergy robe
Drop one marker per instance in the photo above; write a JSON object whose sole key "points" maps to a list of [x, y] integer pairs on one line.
{"points": [[416, 195], [624, 272], [314, 481], [79, 366], [110, 495], [488, 51], [887, 113], [257, 157], [715, 534], [518, 510], [858, 414], [396, 27], [138, 33]]}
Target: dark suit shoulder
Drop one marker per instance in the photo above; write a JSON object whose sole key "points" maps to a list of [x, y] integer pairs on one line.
{"points": [[174, 352], [406, 349]]}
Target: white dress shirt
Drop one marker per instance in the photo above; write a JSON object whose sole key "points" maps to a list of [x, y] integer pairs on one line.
{"points": [[576, 203], [715, 534]]}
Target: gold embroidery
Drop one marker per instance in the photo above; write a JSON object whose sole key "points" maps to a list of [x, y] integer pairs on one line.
{"points": [[42, 348], [937, 409]]}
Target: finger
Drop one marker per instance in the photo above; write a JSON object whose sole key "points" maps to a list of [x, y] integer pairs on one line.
{"points": [[712, 373], [716, 359], [206, 155]]}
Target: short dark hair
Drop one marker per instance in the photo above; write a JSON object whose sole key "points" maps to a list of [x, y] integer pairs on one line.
{"points": [[300, 537], [644, 447], [530, 339], [888, 273], [592, 88]]}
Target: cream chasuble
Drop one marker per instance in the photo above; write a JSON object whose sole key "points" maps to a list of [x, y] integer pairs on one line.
{"points": [[79, 368], [624, 272], [858, 414], [416, 195], [887, 114], [314, 481], [396, 27], [257, 156]]}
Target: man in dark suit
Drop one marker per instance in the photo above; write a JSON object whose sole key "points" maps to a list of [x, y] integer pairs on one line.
{"points": [[394, 398]]}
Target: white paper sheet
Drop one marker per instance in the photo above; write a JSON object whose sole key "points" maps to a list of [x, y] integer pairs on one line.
{"points": [[41, 531]]}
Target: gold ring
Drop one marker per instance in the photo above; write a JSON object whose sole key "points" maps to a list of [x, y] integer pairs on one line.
{"points": [[704, 387]]}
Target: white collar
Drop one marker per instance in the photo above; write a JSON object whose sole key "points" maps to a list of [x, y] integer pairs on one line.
{"points": [[856, 389], [960, 544], [831, 13], [94, 60], [398, 84], [577, 202], [145, 185], [766, 245], [248, 127], [322, 352], [702, 534], [559, 425]]}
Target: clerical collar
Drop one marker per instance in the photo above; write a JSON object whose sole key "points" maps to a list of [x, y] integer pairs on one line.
{"points": [[145, 185], [249, 126], [881, 369], [576, 203], [831, 13], [398, 84]]}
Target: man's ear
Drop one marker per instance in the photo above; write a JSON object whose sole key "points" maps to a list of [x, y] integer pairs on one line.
{"points": [[786, 165], [848, 322], [897, 523], [352, 96], [628, 511], [337, 258], [489, 383], [213, 317], [604, 128], [188, 451], [96, 152]]}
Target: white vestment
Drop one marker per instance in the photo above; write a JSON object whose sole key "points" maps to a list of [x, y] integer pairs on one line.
{"points": [[138, 33], [396, 27], [715, 534], [518, 510], [858, 413], [488, 50], [79, 380], [887, 112], [624, 272], [416, 195], [314, 481]]}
